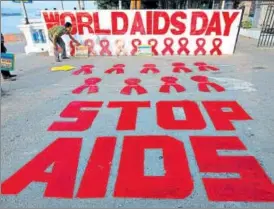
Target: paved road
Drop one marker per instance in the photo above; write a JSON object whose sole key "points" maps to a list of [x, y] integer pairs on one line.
{"points": [[35, 100]]}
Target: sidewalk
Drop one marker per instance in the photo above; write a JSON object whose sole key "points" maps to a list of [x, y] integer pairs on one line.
{"points": [[38, 96]]}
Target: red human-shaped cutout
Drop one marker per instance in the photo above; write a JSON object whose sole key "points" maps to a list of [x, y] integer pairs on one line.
{"points": [[169, 82], [179, 67], [149, 67], [204, 83], [202, 66], [86, 69], [90, 84], [133, 84], [118, 69]]}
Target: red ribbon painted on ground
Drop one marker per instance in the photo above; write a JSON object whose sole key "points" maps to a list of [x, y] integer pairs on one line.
{"points": [[118, 69], [90, 84], [178, 67], [168, 42], [149, 67], [153, 43], [204, 83], [135, 43], [133, 84], [105, 47], [86, 69], [90, 44], [200, 43], [183, 42], [202, 66], [217, 42], [169, 82]]}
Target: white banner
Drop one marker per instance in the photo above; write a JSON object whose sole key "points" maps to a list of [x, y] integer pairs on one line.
{"points": [[169, 32]]}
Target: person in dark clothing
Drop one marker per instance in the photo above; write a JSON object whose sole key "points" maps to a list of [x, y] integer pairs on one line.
{"points": [[6, 74]]}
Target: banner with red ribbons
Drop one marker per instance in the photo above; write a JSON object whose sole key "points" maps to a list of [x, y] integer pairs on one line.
{"points": [[172, 32]]}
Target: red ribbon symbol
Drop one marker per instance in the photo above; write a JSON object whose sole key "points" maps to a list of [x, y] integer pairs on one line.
{"points": [[86, 69], [180, 66], [118, 69], [200, 42], [148, 67], [183, 42], [169, 82], [105, 47], [217, 42], [153, 43], [135, 43], [168, 42], [133, 84], [205, 67], [90, 84], [90, 44], [204, 83], [72, 48]]}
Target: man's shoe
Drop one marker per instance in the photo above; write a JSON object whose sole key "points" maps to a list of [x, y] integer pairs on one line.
{"points": [[13, 76], [57, 60], [65, 58], [10, 79]]}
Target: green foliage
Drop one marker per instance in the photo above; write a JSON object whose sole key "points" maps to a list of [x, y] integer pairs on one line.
{"points": [[247, 24]]}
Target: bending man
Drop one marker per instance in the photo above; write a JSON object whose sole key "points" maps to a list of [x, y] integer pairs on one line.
{"points": [[55, 34]]}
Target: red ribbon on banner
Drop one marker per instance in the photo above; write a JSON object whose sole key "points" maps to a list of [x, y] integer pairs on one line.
{"points": [[153, 42], [149, 67], [90, 84], [217, 42], [86, 69], [169, 82], [205, 67], [204, 83], [105, 47], [118, 69], [135, 43], [183, 42], [179, 67], [90, 44], [72, 48], [200, 42], [168, 42], [133, 84]]}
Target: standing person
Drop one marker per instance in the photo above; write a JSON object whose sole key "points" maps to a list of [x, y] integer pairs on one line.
{"points": [[6, 74], [55, 34]]}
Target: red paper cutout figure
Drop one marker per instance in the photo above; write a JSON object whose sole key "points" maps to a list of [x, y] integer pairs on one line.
{"points": [[178, 67], [86, 69], [169, 82], [204, 83], [205, 67], [200, 43], [150, 67], [133, 84], [118, 69], [72, 48], [90, 84], [217, 42]]}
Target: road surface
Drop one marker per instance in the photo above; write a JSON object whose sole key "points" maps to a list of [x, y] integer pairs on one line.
{"points": [[158, 161]]}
